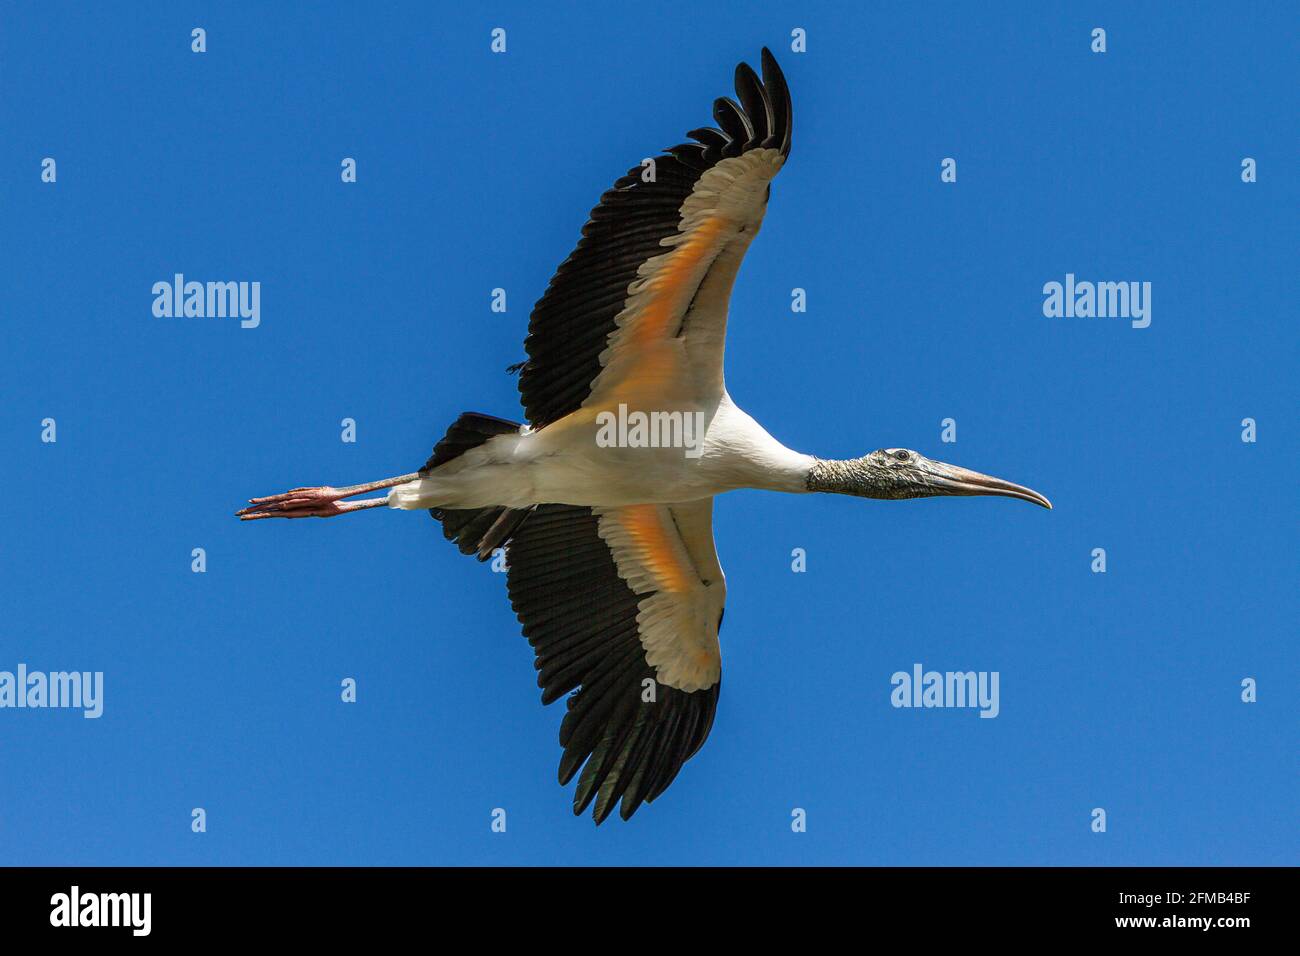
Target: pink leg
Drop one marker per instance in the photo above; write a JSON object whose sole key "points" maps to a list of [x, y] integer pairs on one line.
{"points": [[323, 502]]}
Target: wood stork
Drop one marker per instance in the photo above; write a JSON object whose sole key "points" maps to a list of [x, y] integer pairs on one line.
{"points": [[611, 562]]}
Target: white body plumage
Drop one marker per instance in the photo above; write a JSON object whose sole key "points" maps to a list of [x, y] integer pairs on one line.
{"points": [[565, 464]]}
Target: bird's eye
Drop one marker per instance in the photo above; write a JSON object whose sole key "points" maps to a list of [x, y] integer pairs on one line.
{"points": [[902, 455]]}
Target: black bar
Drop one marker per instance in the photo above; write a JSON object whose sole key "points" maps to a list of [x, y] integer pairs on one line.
{"points": [[368, 904]]}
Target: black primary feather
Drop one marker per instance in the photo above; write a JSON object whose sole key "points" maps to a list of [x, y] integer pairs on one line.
{"points": [[571, 323], [581, 619]]}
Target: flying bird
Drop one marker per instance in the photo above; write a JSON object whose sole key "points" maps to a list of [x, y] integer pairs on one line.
{"points": [[607, 521]]}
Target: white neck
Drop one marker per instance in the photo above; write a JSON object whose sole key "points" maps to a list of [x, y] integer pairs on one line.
{"points": [[746, 456]]}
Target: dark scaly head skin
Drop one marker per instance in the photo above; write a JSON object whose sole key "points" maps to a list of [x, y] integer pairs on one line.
{"points": [[898, 473]]}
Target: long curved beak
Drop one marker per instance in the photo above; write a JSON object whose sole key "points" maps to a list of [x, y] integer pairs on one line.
{"points": [[945, 479]]}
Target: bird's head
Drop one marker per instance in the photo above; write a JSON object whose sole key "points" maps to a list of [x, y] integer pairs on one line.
{"points": [[895, 473]]}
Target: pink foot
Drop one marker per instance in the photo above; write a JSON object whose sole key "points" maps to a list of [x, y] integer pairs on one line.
{"points": [[299, 503], [324, 502]]}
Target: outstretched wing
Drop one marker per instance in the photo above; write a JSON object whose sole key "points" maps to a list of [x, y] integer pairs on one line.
{"points": [[623, 605], [657, 260]]}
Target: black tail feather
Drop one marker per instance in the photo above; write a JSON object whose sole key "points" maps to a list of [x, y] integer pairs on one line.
{"points": [[477, 531], [468, 431]]}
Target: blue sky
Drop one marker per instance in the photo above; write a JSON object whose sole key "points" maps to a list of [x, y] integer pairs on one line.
{"points": [[1118, 690]]}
